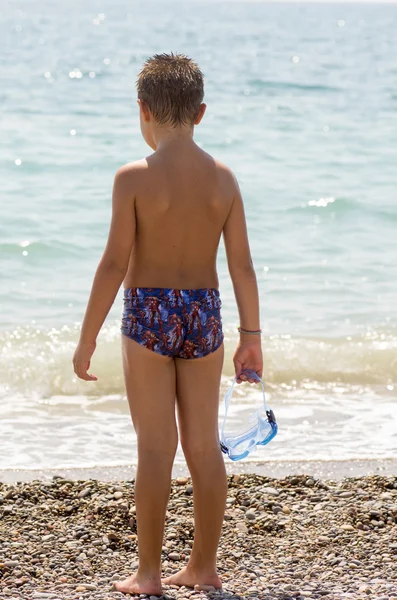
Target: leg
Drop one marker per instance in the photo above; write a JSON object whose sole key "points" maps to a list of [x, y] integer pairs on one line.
{"points": [[198, 382], [150, 384]]}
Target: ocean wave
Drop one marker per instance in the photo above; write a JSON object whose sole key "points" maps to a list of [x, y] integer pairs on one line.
{"points": [[330, 204], [289, 85], [338, 205], [38, 363], [39, 248]]}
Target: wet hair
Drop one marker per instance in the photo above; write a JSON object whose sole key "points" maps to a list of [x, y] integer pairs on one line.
{"points": [[172, 86]]}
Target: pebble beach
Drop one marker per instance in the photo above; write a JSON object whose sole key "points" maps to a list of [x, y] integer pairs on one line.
{"points": [[292, 537]]}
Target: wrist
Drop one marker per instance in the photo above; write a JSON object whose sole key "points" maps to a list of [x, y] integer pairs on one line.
{"points": [[256, 331], [248, 338]]}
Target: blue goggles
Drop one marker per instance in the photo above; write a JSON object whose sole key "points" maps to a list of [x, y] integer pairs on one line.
{"points": [[261, 430]]}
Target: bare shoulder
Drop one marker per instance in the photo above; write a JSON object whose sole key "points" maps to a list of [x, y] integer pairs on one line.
{"points": [[128, 177], [225, 174], [131, 170], [227, 177]]}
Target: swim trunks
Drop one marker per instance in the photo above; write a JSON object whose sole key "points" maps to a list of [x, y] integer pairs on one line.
{"points": [[175, 323]]}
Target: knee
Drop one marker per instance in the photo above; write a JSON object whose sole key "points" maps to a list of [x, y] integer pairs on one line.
{"points": [[157, 448], [199, 451]]}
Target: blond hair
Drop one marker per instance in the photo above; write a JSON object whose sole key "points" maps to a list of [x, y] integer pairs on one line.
{"points": [[172, 86]]}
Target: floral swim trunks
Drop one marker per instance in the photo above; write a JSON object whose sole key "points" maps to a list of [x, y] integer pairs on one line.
{"points": [[175, 323]]}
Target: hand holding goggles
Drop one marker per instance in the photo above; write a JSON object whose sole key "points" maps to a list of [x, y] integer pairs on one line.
{"points": [[261, 429]]}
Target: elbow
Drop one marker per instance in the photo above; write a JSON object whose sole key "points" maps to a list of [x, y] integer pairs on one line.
{"points": [[112, 267], [244, 272]]}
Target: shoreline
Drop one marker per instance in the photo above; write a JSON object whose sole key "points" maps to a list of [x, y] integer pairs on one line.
{"points": [[330, 469]]}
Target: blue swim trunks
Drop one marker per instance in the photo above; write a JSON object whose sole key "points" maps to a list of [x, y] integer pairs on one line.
{"points": [[175, 323]]}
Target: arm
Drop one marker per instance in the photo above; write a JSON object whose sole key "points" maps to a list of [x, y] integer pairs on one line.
{"points": [[249, 351], [111, 270]]}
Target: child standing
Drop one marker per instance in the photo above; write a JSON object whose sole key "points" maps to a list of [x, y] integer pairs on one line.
{"points": [[169, 212]]}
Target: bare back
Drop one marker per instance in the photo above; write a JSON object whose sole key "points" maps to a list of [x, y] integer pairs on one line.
{"points": [[182, 200]]}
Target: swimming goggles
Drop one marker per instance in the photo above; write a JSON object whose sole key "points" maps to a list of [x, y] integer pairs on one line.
{"points": [[262, 427]]}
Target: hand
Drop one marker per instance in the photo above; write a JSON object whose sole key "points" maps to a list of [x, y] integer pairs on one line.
{"points": [[82, 359], [248, 357]]}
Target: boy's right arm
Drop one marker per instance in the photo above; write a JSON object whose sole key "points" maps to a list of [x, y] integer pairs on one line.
{"points": [[248, 355]]}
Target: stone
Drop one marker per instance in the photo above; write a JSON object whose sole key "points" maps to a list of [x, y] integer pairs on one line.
{"points": [[84, 493], [241, 527], [386, 496], [271, 491], [117, 495], [181, 480], [347, 527], [204, 588], [10, 564], [250, 514], [174, 556]]}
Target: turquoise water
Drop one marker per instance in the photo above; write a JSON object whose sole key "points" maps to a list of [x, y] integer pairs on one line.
{"points": [[302, 105]]}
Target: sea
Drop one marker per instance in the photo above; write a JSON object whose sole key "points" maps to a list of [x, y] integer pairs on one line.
{"points": [[302, 105]]}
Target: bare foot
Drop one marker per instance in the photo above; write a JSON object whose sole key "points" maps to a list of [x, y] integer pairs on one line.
{"points": [[188, 577], [136, 584]]}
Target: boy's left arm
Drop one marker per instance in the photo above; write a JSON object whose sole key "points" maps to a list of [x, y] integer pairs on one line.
{"points": [[111, 270]]}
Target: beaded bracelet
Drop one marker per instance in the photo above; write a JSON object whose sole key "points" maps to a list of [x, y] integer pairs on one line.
{"points": [[255, 332]]}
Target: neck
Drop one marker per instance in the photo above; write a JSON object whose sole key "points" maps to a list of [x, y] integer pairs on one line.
{"points": [[165, 137]]}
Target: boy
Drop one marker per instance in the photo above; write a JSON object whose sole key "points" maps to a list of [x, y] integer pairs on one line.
{"points": [[169, 211]]}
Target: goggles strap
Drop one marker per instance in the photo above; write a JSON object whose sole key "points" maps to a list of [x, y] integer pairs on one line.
{"points": [[229, 394]]}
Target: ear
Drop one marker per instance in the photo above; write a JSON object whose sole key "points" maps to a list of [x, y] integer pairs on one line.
{"points": [[201, 112], [145, 112]]}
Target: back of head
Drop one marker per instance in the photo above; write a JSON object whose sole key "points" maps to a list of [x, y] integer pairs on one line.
{"points": [[172, 87]]}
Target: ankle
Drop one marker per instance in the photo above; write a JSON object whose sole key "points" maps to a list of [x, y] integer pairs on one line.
{"points": [[199, 567], [149, 573]]}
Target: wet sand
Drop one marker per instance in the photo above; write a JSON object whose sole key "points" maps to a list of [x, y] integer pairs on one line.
{"points": [[333, 469]]}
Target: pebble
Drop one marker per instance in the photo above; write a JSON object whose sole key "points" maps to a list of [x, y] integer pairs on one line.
{"points": [[294, 541], [250, 514], [270, 490], [181, 480], [84, 493], [242, 527], [204, 588]]}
